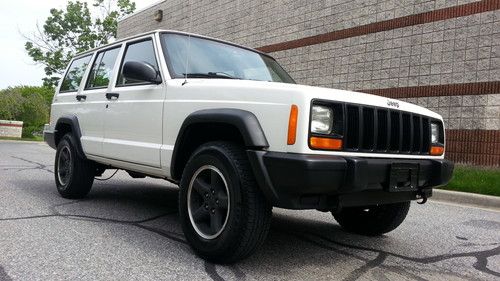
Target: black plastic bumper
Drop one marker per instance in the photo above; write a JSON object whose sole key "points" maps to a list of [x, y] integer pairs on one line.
{"points": [[49, 138], [302, 181]]}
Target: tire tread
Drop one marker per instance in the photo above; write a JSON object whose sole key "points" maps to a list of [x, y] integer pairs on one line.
{"points": [[385, 218], [256, 218], [83, 172]]}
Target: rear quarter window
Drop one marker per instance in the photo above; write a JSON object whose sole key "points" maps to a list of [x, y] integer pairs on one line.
{"points": [[74, 76]]}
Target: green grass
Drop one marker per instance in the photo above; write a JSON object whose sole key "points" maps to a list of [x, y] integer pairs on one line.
{"points": [[35, 138], [476, 180]]}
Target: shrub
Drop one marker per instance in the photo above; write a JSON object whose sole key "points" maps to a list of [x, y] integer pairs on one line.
{"points": [[10, 105], [28, 104]]}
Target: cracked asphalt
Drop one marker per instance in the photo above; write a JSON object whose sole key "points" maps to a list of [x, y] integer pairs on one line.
{"points": [[127, 229]]}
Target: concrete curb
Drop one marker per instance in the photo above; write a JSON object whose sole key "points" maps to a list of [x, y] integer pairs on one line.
{"points": [[21, 141], [464, 198]]}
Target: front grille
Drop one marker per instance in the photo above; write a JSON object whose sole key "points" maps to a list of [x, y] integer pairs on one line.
{"points": [[369, 129], [352, 125]]}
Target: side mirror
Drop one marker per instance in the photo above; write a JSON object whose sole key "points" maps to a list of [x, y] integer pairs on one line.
{"points": [[141, 71]]}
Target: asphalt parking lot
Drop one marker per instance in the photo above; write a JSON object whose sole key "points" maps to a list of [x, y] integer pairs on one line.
{"points": [[127, 229]]}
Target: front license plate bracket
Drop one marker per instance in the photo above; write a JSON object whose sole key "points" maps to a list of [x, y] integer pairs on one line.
{"points": [[403, 177]]}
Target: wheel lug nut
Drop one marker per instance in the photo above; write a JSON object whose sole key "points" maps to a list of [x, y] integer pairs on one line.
{"points": [[206, 206], [213, 191], [206, 194], [213, 211], [217, 202]]}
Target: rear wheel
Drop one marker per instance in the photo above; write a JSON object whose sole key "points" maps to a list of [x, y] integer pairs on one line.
{"points": [[373, 220], [224, 215], [74, 175]]}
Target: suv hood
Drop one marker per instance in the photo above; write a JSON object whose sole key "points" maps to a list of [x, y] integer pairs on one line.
{"points": [[302, 93], [311, 93]]}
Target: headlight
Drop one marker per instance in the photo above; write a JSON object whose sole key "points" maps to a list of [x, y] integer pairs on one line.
{"points": [[434, 133], [437, 139], [321, 119]]}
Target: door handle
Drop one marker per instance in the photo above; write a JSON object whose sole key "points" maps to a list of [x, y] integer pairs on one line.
{"points": [[110, 96], [81, 97]]}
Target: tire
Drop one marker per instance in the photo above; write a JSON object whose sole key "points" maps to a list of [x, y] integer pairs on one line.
{"points": [[373, 220], [223, 168], [74, 175]]}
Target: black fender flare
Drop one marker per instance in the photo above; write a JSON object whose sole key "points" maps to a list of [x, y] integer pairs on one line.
{"points": [[72, 121], [245, 121]]}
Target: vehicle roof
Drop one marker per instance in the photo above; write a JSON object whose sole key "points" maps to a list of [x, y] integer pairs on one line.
{"points": [[167, 31]]}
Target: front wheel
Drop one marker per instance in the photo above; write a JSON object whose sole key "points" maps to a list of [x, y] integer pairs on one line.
{"points": [[223, 213], [74, 176], [373, 220]]}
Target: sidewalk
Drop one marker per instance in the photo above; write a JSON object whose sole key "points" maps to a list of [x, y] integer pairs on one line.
{"points": [[464, 198]]}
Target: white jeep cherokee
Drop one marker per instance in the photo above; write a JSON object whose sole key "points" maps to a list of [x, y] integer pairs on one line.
{"points": [[232, 129]]}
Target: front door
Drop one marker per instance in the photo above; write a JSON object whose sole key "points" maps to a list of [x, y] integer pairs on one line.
{"points": [[133, 119]]}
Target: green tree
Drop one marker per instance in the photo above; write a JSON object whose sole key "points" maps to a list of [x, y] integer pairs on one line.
{"points": [[72, 30], [28, 104], [47, 93], [11, 103]]}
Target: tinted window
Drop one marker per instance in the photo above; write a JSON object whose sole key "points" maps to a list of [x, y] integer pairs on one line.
{"points": [[101, 71], [203, 58], [141, 51], [74, 76]]}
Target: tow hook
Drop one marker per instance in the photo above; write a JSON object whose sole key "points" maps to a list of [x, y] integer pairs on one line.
{"points": [[421, 195]]}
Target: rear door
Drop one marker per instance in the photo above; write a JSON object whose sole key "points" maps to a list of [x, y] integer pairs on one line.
{"points": [[93, 99], [133, 120], [72, 101]]}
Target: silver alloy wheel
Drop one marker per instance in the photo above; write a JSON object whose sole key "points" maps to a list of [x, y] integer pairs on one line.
{"points": [[64, 165], [209, 204]]}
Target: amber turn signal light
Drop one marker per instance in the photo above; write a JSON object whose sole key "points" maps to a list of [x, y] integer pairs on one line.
{"points": [[437, 150], [325, 143], [292, 124]]}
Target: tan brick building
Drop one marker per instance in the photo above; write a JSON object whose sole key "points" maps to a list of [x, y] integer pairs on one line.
{"points": [[441, 54]]}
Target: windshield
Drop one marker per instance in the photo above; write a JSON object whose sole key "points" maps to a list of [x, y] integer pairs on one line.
{"points": [[212, 59]]}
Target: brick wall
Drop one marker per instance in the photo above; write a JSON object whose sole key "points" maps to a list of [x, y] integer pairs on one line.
{"points": [[465, 112], [441, 54], [11, 129], [473, 146], [259, 23]]}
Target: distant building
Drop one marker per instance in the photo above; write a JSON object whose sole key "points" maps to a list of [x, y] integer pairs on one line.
{"points": [[444, 55]]}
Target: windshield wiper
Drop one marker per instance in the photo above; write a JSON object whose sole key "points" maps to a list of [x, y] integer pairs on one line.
{"points": [[210, 75]]}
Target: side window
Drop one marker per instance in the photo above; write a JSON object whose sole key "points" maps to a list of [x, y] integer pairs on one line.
{"points": [[74, 76], [101, 71], [142, 51]]}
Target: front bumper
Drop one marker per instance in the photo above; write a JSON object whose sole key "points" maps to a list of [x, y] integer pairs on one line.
{"points": [[49, 136], [302, 181]]}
